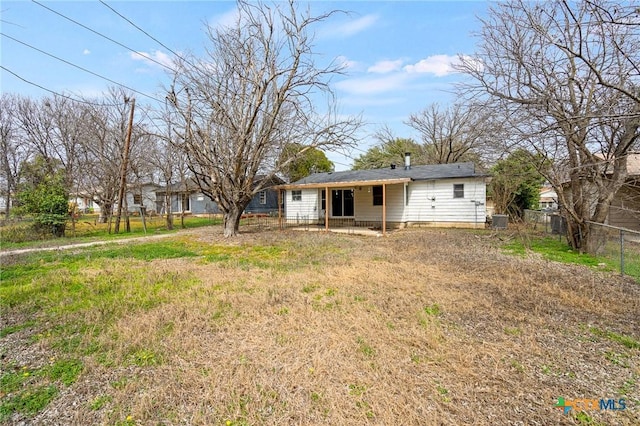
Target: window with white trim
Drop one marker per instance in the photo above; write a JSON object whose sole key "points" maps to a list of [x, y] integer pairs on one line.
{"points": [[263, 197], [458, 190], [296, 195]]}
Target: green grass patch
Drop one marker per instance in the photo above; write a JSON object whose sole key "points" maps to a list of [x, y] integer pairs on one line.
{"points": [[558, 251], [551, 249], [432, 310], [87, 229], [245, 255], [365, 348], [144, 358], [66, 371], [99, 402], [28, 402], [627, 341], [4, 332]]}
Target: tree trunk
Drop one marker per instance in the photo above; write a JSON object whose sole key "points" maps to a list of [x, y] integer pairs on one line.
{"points": [[232, 221], [168, 209], [105, 208]]}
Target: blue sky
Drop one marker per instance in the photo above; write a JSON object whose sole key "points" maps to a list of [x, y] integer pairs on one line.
{"points": [[398, 54]]}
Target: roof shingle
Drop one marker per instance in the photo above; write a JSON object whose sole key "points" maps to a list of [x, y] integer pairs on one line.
{"points": [[427, 172]]}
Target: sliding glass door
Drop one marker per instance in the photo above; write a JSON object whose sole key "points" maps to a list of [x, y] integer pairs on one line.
{"points": [[342, 203]]}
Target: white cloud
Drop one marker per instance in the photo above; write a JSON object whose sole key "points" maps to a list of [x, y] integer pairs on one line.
{"points": [[372, 86], [438, 65], [350, 28], [346, 63], [384, 67], [155, 58], [86, 52], [228, 19]]}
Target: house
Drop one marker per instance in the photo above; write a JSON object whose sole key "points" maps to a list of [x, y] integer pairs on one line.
{"points": [[188, 198], [624, 210], [142, 196], [184, 198], [446, 195], [84, 203], [548, 198]]}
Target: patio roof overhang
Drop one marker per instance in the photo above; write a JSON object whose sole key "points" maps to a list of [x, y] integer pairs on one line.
{"points": [[344, 184]]}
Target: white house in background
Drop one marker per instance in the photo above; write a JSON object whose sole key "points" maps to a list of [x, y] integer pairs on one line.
{"points": [[439, 195], [84, 203], [142, 195], [548, 198]]}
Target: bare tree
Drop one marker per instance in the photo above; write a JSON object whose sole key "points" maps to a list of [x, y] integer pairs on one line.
{"points": [[567, 82], [257, 90], [461, 132], [53, 128], [13, 150], [102, 149]]}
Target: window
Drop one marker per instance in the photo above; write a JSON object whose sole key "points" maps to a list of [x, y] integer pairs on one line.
{"points": [[342, 203], [324, 199], [137, 199], [458, 190], [377, 195], [296, 195], [263, 197], [186, 203]]}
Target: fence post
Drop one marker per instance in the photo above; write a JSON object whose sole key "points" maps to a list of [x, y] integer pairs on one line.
{"points": [[621, 252]]}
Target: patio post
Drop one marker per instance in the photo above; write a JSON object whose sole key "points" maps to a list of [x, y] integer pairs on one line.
{"points": [[384, 209], [326, 208], [280, 208]]}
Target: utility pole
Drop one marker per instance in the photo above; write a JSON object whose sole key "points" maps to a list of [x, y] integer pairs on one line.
{"points": [[125, 166]]}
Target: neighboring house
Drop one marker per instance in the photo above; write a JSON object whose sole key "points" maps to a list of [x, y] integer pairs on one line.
{"points": [[446, 195], [548, 198], [142, 195], [625, 208], [188, 198], [84, 203], [3, 203], [184, 198]]}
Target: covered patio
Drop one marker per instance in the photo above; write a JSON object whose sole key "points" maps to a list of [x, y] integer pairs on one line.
{"points": [[339, 211]]}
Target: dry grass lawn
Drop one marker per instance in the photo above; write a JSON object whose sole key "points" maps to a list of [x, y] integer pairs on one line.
{"points": [[423, 327]]}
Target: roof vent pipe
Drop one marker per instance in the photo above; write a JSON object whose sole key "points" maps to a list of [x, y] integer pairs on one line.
{"points": [[407, 160]]}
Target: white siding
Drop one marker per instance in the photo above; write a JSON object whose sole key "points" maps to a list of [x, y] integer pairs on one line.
{"points": [[429, 202], [305, 210], [365, 210], [432, 201]]}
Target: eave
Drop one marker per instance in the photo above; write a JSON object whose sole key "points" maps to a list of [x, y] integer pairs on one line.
{"points": [[343, 184]]}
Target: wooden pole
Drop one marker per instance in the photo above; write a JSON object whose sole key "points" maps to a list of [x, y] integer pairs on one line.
{"points": [[280, 209], [125, 166], [326, 208], [384, 209]]}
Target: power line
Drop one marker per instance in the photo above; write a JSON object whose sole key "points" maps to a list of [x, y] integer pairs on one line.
{"points": [[146, 33], [78, 66], [53, 91], [104, 36]]}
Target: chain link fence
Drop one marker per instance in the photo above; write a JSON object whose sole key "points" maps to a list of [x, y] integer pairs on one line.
{"points": [[618, 246]]}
